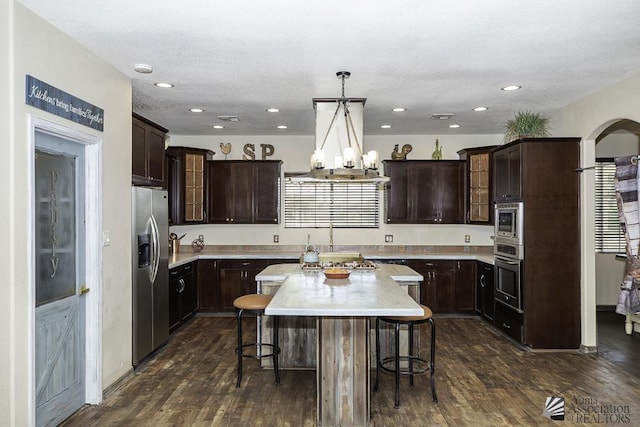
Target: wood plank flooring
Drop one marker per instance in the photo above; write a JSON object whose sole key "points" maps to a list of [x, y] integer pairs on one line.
{"points": [[482, 379]]}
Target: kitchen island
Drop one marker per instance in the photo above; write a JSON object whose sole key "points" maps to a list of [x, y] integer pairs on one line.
{"points": [[341, 310]]}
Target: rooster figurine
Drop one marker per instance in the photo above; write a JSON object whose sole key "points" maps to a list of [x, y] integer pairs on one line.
{"points": [[225, 148], [402, 155]]}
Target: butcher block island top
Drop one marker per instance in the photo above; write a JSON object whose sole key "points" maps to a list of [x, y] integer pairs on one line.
{"points": [[363, 293]]}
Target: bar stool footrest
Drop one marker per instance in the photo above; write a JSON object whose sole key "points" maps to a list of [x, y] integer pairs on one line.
{"points": [[416, 360]]}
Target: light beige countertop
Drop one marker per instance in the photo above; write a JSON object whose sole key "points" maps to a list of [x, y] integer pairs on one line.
{"points": [[363, 293], [477, 253]]}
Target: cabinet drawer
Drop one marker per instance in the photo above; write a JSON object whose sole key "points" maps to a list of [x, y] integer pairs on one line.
{"points": [[509, 321], [180, 270], [244, 264]]}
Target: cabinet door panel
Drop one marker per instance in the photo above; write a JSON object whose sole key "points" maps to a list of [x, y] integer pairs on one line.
{"points": [[450, 179], [218, 189], [424, 185], [241, 203], [155, 155], [465, 287], [397, 193], [266, 182], [138, 149], [208, 298]]}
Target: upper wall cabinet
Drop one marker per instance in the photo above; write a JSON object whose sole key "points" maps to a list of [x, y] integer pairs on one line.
{"points": [[479, 190], [186, 183], [243, 192], [507, 182], [147, 152], [424, 191]]}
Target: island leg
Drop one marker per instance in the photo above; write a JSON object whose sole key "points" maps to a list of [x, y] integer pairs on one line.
{"points": [[343, 371]]}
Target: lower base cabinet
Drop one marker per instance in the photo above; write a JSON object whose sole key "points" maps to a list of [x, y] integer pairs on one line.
{"points": [[484, 291], [183, 296], [509, 321], [448, 285]]}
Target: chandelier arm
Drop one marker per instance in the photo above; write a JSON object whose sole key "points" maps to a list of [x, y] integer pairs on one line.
{"points": [[324, 141], [355, 136]]}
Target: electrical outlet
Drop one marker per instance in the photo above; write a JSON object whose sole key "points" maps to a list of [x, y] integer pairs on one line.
{"points": [[201, 237], [467, 238], [276, 238], [388, 238]]}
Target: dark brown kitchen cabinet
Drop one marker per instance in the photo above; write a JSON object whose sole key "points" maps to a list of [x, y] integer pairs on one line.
{"points": [[549, 188], [147, 152], [237, 278], [465, 286], [182, 295], [448, 285], [208, 289], [186, 184], [244, 192], [478, 184], [484, 291], [424, 192], [507, 182]]}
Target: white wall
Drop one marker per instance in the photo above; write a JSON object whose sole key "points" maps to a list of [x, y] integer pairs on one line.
{"points": [[7, 280], [36, 48], [587, 118], [295, 152]]}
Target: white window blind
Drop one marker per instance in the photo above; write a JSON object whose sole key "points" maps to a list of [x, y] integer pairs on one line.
{"points": [[342, 204], [609, 236]]}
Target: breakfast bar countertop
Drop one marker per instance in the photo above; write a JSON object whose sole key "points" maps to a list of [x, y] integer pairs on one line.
{"points": [[363, 293]]}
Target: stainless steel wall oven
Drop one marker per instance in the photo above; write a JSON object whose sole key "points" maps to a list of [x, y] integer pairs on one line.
{"points": [[508, 282]]}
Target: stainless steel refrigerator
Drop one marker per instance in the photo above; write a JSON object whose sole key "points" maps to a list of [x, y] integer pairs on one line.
{"points": [[150, 270]]}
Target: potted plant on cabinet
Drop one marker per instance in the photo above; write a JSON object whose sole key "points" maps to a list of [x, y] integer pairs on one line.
{"points": [[526, 124]]}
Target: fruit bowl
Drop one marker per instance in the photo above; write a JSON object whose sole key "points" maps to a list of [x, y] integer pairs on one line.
{"points": [[336, 273]]}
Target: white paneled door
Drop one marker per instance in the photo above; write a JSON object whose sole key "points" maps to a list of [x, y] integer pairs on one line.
{"points": [[59, 278]]}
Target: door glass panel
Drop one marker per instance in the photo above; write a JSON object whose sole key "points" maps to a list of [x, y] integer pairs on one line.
{"points": [[55, 227]]}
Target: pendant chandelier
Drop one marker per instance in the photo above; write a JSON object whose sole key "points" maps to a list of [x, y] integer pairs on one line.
{"points": [[339, 153]]}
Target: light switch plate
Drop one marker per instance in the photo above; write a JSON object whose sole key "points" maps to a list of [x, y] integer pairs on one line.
{"points": [[106, 238]]}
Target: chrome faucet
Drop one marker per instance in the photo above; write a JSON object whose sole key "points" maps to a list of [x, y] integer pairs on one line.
{"points": [[330, 237]]}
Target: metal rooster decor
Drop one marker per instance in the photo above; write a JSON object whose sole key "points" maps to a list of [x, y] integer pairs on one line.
{"points": [[402, 155], [225, 148]]}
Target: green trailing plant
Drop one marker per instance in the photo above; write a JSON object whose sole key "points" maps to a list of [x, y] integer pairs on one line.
{"points": [[526, 124]]}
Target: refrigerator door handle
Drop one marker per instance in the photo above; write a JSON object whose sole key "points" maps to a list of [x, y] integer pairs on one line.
{"points": [[155, 249]]}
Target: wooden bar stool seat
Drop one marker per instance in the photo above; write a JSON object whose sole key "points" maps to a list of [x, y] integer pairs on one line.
{"points": [[414, 363], [256, 303]]}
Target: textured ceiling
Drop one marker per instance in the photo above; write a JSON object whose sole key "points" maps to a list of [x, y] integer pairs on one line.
{"points": [[240, 57]]}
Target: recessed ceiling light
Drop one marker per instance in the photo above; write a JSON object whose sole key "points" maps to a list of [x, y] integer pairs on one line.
{"points": [[196, 110], [399, 109], [386, 126], [512, 87], [218, 127], [454, 126], [481, 109], [143, 68], [165, 85], [272, 110], [282, 126]]}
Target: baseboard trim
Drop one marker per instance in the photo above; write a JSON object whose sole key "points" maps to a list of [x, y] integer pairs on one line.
{"points": [[588, 349], [117, 384]]}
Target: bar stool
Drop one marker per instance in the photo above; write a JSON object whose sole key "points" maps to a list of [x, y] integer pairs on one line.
{"points": [[410, 358], [256, 303]]}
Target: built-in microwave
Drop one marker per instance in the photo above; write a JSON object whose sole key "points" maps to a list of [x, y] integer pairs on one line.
{"points": [[509, 222]]}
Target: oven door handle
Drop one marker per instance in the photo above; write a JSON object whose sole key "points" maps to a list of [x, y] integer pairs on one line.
{"points": [[507, 261]]}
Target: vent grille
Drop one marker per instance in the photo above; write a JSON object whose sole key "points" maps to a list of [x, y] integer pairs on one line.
{"points": [[441, 116], [229, 118]]}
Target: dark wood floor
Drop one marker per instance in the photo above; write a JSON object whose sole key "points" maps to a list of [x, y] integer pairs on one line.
{"points": [[482, 379]]}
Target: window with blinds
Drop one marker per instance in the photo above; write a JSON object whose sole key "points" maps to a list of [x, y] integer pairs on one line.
{"points": [[342, 204], [609, 236]]}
